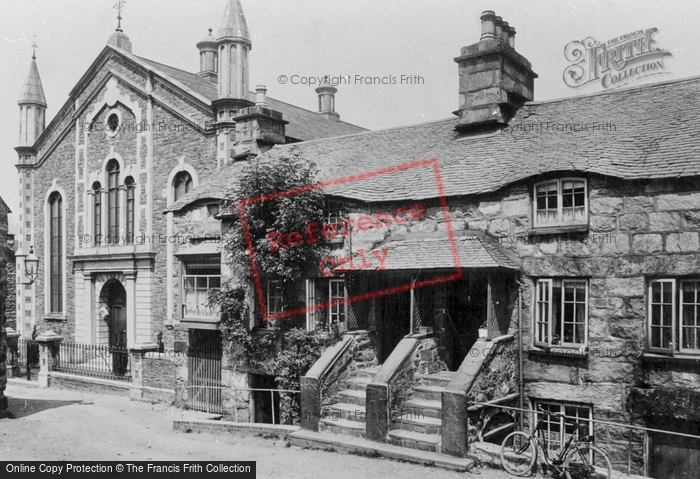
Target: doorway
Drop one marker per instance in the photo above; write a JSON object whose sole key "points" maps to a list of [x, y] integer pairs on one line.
{"points": [[114, 295]]}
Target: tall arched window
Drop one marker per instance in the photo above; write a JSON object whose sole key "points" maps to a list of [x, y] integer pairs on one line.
{"points": [[56, 252], [97, 212], [113, 200], [182, 184], [130, 200]]}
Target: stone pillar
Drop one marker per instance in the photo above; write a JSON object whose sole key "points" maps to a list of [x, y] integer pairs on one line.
{"points": [[136, 361], [130, 279], [89, 312], [48, 344]]}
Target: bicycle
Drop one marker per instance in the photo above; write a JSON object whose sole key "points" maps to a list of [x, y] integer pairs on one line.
{"points": [[578, 459]]}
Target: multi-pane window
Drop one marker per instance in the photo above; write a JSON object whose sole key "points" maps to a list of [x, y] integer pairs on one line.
{"points": [[674, 316], [557, 430], [130, 209], [182, 184], [198, 282], [113, 200], [56, 252], [275, 297], [97, 212], [561, 202], [561, 312], [336, 293]]}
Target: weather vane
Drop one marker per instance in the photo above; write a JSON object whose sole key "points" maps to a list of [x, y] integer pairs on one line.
{"points": [[118, 6], [34, 47]]}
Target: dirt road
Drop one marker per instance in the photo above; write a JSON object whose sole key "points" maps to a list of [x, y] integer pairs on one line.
{"points": [[54, 424]]}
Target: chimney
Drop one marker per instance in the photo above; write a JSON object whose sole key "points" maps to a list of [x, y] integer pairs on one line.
{"points": [[326, 100], [261, 95], [494, 79]]}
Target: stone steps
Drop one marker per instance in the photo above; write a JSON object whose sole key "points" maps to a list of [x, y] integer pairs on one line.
{"points": [[414, 440], [442, 379], [432, 393], [359, 384], [424, 407], [353, 396], [419, 423], [343, 426]]}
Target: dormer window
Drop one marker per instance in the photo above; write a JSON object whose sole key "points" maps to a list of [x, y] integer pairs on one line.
{"points": [[561, 202]]}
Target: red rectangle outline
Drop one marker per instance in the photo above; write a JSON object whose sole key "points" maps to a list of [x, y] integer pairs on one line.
{"points": [[361, 297]]}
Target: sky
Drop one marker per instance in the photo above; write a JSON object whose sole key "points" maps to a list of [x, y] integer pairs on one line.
{"points": [[313, 38]]}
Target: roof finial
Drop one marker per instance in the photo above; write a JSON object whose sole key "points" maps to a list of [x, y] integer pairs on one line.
{"points": [[119, 5], [34, 47]]}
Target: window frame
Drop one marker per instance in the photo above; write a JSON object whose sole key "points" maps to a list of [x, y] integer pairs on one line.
{"points": [[560, 204], [56, 243], [562, 424], [189, 184], [553, 283], [97, 216], [278, 287], [340, 309], [130, 209], [113, 171], [677, 304]]}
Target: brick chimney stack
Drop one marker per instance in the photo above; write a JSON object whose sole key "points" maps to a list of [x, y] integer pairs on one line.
{"points": [[494, 79]]}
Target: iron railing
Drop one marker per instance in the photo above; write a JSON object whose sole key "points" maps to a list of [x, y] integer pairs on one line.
{"points": [[97, 361], [22, 356]]}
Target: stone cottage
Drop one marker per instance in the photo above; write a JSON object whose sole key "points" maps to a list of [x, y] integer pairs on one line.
{"points": [[532, 254]]}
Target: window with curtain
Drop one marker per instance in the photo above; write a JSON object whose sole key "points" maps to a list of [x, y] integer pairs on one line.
{"points": [[561, 202]]}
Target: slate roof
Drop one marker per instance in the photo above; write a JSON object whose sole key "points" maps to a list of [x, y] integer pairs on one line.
{"points": [[652, 134], [303, 124], [434, 251]]}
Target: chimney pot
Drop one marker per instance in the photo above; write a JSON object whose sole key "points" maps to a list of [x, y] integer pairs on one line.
{"points": [[488, 29], [498, 22], [511, 37], [261, 95], [506, 33]]}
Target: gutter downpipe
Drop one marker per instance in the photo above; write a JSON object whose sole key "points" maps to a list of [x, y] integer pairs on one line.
{"points": [[521, 381]]}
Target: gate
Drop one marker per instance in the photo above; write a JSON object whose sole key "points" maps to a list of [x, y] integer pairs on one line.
{"points": [[204, 373]]}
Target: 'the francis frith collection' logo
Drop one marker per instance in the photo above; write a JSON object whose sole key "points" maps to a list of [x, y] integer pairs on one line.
{"points": [[614, 63]]}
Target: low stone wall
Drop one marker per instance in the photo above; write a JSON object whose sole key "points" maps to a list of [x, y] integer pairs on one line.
{"points": [[236, 403]]}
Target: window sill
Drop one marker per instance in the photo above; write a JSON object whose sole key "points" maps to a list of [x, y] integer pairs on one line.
{"points": [[553, 230], [56, 318], [681, 358], [557, 352]]}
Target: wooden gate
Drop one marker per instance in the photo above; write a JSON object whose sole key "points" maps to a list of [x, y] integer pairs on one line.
{"points": [[204, 372]]}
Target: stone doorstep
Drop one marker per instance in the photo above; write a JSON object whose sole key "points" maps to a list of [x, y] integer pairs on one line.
{"points": [[427, 425], [347, 444], [352, 412], [343, 426], [415, 440], [425, 407], [438, 379], [433, 393], [489, 455]]}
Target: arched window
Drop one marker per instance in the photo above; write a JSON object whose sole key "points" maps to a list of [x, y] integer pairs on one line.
{"points": [[113, 200], [97, 212], [182, 184], [56, 252], [130, 204]]}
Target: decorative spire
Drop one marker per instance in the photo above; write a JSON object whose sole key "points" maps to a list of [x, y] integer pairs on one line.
{"points": [[233, 24], [34, 47], [32, 90], [118, 6]]}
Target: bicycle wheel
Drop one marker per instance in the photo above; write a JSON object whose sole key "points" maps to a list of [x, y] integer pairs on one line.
{"points": [[587, 462], [518, 453]]}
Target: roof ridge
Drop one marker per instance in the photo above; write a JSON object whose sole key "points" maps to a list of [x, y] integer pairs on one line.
{"points": [[615, 91]]}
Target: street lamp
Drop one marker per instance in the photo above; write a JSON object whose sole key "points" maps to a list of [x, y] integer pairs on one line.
{"points": [[31, 263]]}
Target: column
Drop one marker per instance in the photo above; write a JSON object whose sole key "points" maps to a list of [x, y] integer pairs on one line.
{"points": [[130, 280]]}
